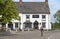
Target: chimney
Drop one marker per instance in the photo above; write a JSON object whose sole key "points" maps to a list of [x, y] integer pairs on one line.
{"points": [[46, 2], [20, 1]]}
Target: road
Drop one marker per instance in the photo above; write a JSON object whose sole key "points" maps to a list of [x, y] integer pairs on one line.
{"points": [[34, 35]]}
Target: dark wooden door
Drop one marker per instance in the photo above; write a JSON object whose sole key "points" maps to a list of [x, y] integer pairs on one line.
{"points": [[35, 25]]}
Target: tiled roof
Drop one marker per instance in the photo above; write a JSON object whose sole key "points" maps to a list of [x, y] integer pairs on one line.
{"points": [[33, 8]]}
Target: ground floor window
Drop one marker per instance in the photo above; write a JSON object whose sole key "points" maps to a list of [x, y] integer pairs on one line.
{"points": [[44, 24], [10, 25], [16, 25], [28, 24]]}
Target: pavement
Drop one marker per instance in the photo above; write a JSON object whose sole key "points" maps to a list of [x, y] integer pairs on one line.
{"points": [[54, 34]]}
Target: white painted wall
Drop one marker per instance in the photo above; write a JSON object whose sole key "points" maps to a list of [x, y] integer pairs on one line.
{"points": [[23, 19], [48, 25]]}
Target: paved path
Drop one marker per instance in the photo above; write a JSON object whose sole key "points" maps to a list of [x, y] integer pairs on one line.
{"points": [[34, 35]]}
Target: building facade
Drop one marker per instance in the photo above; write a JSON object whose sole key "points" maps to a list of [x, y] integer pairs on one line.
{"points": [[33, 15]]}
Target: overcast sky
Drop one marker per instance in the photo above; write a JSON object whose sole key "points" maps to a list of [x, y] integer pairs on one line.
{"points": [[53, 4]]}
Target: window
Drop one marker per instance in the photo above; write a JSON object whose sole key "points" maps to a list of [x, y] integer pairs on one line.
{"points": [[27, 16], [10, 25], [44, 24], [35, 16], [27, 20], [28, 24], [16, 25], [43, 16]]}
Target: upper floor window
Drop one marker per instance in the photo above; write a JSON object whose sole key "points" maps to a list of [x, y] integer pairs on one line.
{"points": [[27, 16], [43, 16], [35, 16]]}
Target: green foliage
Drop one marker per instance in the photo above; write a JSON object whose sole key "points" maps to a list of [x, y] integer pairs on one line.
{"points": [[2, 1], [57, 16], [56, 25], [8, 10]]}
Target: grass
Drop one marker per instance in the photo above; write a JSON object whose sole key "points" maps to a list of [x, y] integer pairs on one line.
{"points": [[56, 27]]}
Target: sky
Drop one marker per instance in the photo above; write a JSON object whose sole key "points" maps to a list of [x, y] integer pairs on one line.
{"points": [[54, 6]]}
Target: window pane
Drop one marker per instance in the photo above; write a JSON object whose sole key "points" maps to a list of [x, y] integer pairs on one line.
{"points": [[35, 16], [43, 16], [27, 16], [16, 25], [28, 24], [43, 24]]}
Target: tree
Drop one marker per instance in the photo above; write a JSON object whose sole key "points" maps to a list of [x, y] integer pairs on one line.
{"points": [[57, 16], [8, 11], [57, 19]]}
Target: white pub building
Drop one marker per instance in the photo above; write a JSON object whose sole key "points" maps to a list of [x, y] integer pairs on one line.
{"points": [[33, 15]]}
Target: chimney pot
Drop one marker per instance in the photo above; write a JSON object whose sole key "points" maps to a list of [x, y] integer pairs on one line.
{"points": [[46, 1], [20, 1]]}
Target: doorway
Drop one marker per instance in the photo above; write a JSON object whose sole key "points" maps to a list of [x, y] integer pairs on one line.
{"points": [[36, 25]]}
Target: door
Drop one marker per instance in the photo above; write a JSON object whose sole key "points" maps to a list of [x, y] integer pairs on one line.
{"points": [[36, 25]]}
